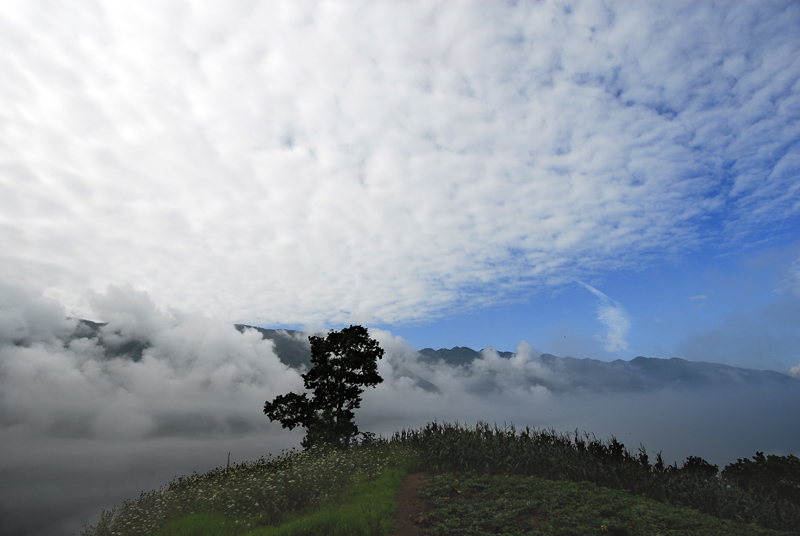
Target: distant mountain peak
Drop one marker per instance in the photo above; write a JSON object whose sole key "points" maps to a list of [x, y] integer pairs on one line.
{"points": [[558, 374]]}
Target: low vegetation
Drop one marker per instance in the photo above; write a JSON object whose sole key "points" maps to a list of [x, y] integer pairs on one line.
{"points": [[289, 489], [362, 509], [482, 480], [762, 491], [486, 504]]}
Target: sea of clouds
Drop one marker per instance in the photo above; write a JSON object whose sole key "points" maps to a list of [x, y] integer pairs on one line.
{"points": [[81, 429]]}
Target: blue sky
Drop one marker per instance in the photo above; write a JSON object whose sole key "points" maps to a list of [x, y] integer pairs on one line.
{"points": [[666, 311], [600, 180]]}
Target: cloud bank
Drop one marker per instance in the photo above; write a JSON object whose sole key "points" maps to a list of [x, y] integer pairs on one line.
{"points": [[194, 376], [318, 163]]}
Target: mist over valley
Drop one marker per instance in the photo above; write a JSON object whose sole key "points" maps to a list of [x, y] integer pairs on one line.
{"points": [[108, 409]]}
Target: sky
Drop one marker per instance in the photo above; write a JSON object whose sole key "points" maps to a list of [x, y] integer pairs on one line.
{"points": [[602, 180], [587, 179]]}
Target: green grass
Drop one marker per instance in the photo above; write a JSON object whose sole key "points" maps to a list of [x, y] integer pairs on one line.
{"points": [[205, 524], [514, 505], [265, 493], [364, 509]]}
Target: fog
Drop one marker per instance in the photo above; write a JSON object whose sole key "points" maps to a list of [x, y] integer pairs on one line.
{"points": [[91, 418]]}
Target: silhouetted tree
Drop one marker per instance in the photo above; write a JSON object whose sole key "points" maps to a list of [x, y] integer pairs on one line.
{"points": [[343, 364]]}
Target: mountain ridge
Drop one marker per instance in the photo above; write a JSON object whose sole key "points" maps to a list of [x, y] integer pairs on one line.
{"points": [[557, 374]]}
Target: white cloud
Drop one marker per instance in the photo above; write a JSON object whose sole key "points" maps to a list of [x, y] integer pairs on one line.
{"points": [[27, 317], [614, 316], [196, 375], [378, 162]]}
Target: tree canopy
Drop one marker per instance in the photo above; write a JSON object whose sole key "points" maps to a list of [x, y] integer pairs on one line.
{"points": [[343, 364]]}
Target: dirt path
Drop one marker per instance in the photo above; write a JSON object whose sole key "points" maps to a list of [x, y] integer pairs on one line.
{"points": [[411, 519]]}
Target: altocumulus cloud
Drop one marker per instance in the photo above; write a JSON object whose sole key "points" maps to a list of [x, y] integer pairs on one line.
{"points": [[317, 163]]}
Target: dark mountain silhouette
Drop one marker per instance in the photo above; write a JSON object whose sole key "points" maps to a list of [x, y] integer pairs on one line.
{"points": [[459, 355], [558, 374], [292, 347], [638, 374], [569, 373], [131, 348]]}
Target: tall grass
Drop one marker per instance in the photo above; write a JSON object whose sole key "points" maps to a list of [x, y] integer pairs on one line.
{"points": [[579, 457]]}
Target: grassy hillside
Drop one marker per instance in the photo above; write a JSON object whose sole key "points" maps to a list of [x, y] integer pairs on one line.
{"points": [[482, 480]]}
